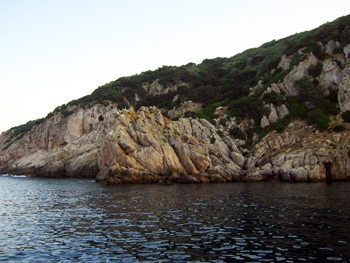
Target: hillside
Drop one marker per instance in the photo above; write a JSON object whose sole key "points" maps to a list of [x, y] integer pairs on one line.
{"points": [[299, 85]]}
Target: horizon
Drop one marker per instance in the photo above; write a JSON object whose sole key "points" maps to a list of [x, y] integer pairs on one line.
{"points": [[59, 65]]}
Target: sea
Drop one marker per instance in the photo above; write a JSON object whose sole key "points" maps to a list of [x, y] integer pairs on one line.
{"points": [[74, 220]]}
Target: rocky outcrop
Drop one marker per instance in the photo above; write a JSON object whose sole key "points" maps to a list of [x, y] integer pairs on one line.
{"points": [[128, 146], [331, 74], [185, 108], [299, 72], [331, 46], [344, 90], [347, 51], [124, 147], [264, 122], [301, 155], [60, 146], [285, 62], [155, 88], [147, 147]]}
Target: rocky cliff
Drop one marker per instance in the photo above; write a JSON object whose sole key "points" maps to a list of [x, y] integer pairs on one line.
{"points": [[127, 146], [277, 112], [124, 146]]}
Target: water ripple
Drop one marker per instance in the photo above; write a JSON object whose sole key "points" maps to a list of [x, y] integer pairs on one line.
{"points": [[75, 220]]}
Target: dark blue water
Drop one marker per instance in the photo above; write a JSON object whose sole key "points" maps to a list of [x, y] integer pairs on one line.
{"points": [[51, 220]]}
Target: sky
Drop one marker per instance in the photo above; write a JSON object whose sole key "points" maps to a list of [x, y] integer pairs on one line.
{"points": [[54, 51]]}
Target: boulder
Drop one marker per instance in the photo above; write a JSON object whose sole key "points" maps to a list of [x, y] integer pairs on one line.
{"points": [[264, 122]]}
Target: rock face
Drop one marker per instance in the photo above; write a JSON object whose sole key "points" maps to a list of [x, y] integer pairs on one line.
{"points": [[124, 147], [344, 90], [155, 88], [147, 147], [185, 108], [127, 146], [300, 71], [60, 146], [300, 155]]}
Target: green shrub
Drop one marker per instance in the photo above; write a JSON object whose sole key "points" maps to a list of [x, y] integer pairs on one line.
{"points": [[280, 125], [237, 133], [297, 109], [319, 118], [275, 77], [346, 116], [208, 111], [315, 70], [307, 90], [339, 128], [248, 107], [338, 50], [297, 58], [316, 49], [274, 98], [19, 131]]}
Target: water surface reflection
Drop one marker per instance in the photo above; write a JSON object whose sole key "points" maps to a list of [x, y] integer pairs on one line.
{"points": [[79, 220]]}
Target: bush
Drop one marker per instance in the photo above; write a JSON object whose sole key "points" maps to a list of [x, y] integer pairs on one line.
{"points": [[307, 90], [319, 118], [338, 50], [237, 133], [208, 111], [297, 58], [249, 107], [339, 128], [274, 98], [316, 49], [315, 70], [297, 109], [279, 126], [346, 116]]}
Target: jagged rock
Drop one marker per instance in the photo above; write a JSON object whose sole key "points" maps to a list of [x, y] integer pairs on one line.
{"points": [[185, 107], [344, 90], [238, 158], [155, 88], [282, 111], [264, 122], [273, 116], [285, 62], [298, 73], [331, 74], [331, 46], [125, 147], [300, 155], [347, 51], [220, 112], [276, 88]]}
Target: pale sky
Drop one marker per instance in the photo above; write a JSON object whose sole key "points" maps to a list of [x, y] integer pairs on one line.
{"points": [[54, 51]]}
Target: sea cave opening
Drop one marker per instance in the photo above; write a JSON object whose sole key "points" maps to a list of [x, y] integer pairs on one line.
{"points": [[328, 168]]}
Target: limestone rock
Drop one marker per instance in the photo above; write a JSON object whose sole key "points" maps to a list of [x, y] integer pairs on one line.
{"points": [[285, 62], [282, 111], [185, 107], [344, 90], [331, 74], [298, 73], [331, 46], [273, 116], [155, 88], [238, 158], [264, 122], [347, 51]]}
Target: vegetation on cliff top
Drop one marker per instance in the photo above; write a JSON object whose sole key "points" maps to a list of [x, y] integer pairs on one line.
{"points": [[225, 81]]}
